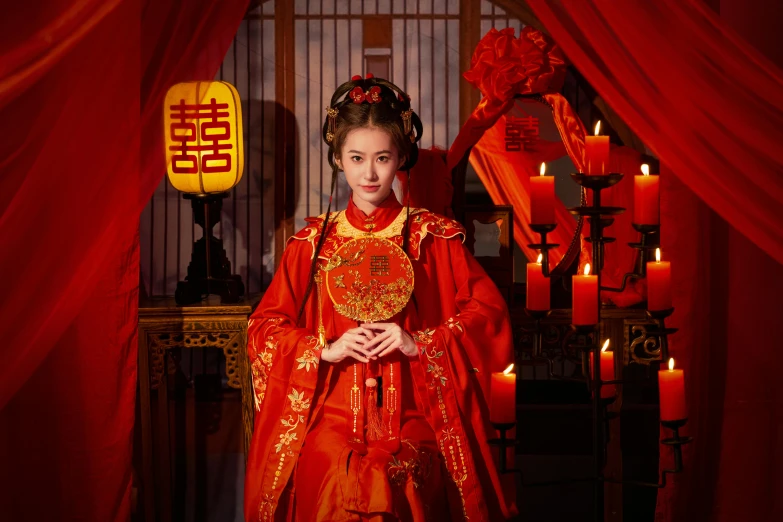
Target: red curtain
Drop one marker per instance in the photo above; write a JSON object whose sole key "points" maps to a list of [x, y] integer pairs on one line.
{"points": [[81, 83], [697, 94], [709, 106]]}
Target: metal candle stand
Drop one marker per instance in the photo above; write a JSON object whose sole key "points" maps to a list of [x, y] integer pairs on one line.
{"points": [[543, 246], [648, 241], [503, 443]]}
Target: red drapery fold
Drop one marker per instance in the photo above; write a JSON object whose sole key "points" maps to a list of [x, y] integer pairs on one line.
{"points": [[81, 83], [709, 106], [694, 91]]}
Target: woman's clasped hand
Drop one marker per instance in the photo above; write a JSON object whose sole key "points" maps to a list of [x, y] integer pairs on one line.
{"points": [[368, 342]]}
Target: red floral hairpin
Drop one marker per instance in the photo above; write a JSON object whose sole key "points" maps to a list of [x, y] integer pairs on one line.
{"points": [[358, 95]]}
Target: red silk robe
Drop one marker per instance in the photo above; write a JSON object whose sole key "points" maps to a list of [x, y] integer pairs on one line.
{"points": [[309, 459]]}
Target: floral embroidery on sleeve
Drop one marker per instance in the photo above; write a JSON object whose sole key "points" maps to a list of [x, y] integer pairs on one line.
{"points": [[298, 401], [261, 367], [454, 324], [435, 369], [290, 434], [423, 336], [309, 356], [298, 404]]}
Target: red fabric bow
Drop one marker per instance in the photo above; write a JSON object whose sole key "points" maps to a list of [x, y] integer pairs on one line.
{"points": [[503, 66]]}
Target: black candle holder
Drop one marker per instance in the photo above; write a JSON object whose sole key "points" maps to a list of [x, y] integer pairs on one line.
{"points": [[503, 443], [586, 343], [596, 182], [676, 442], [662, 331], [536, 358], [543, 246], [649, 240], [595, 213]]}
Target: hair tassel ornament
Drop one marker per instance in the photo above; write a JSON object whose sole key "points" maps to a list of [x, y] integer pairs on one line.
{"points": [[406, 124], [331, 113]]}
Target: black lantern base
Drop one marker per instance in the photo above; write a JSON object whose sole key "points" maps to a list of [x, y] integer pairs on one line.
{"points": [[209, 271]]}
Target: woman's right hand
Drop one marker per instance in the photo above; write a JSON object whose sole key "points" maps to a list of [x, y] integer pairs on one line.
{"points": [[350, 344]]}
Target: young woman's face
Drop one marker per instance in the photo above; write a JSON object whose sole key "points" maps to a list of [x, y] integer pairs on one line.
{"points": [[370, 161]]}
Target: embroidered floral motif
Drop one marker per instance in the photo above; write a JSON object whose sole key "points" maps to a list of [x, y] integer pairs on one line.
{"points": [[266, 508], [290, 435], [261, 366], [258, 369], [416, 469], [298, 401], [435, 369], [307, 358], [423, 337], [285, 439], [454, 324]]}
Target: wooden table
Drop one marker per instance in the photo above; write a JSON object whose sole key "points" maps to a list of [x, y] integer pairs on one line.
{"points": [[164, 325]]}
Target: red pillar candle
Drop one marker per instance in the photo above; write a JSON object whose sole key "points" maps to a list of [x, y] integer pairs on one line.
{"points": [[537, 286], [671, 390], [596, 152], [542, 198], [585, 298], [646, 198], [503, 397], [607, 371], [659, 283]]}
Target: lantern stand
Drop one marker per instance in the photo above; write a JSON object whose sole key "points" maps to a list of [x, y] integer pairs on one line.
{"points": [[209, 271]]}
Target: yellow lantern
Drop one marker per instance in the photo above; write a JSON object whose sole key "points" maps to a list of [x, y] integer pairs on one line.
{"points": [[203, 130]]}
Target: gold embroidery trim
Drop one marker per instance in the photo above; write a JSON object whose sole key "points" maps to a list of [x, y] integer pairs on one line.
{"points": [[346, 229]]}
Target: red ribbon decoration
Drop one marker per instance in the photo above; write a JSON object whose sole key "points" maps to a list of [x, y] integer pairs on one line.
{"points": [[504, 66]]}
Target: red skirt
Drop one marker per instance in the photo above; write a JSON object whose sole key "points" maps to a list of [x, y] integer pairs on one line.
{"points": [[335, 482]]}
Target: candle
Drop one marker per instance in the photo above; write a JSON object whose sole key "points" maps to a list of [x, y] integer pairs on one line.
{"points": [[585, 298], [671, 390], [542, 198], [537, 286], [607, 371], [596, 152], [646, 195], [659, 283], [503, 397]]}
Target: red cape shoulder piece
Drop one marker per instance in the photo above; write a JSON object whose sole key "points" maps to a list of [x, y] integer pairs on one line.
{"points": [[423, 223]]}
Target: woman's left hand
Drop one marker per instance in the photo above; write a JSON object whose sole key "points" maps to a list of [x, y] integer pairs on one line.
{"points": [[392, 337]]}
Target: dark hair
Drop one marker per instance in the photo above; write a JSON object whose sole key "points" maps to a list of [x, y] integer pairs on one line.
{"points": [[388, 109], [386, 114]]}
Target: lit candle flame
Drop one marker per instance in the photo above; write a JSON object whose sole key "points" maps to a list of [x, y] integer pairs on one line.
{"points": [[671, 363], [540, 258], [606, 345], [657, 255], [542, 170], [587, 268], [597, 128], [645, 169], [508, 370]]}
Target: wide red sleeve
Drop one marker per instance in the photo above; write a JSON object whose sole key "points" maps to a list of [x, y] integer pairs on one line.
{"points": [[465, 335], [284, 357]]}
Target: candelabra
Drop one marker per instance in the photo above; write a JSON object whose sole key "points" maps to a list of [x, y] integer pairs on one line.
{"points": [[599, 217]]}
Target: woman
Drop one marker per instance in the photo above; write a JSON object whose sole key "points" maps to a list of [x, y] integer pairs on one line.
{"points": [[372, 347]]}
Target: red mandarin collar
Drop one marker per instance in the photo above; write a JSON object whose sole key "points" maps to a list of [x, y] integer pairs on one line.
{"points": [[378, 219]]}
